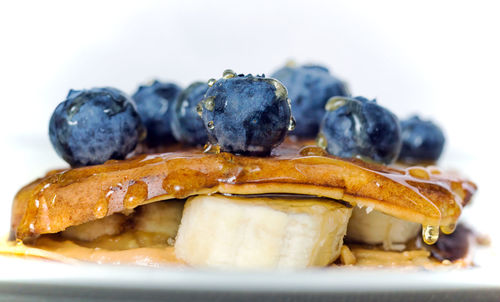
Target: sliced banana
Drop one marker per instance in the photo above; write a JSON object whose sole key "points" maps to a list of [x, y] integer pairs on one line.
{"points": [[110, 225], [374, 227], [256, 233], [159, 220]]}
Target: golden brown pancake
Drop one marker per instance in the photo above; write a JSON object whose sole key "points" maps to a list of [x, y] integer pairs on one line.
{"points": [[65, 198]]}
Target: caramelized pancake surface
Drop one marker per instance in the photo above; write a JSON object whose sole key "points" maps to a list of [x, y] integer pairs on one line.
{"points": [[70, 197]]}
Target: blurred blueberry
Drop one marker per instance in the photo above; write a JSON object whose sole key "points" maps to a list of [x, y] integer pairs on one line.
{"points": [[246, 114], [423, 141], [358, 127], [309, 88], [154, 105], [187, 125], [95, 125]]}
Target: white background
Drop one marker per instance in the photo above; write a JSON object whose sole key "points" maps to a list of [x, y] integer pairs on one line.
{"points": [[437, 58]]}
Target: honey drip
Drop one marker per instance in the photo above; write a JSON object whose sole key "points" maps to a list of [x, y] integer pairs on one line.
{"points": [[209, 103], [291, 125], [321, 141], [448, 229], [228, 73], [199, 108], [211, 82], [334, 103], [312, 151], [430, 234], [101, 208], [419, 172], [136, 194], [280, 90], [211, 149]]}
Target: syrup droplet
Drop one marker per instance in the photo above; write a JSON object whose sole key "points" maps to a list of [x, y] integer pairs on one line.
{"points": [[419, 173], [448, 229], [136, 194], [335, 103], [209, 103], [211, 125], [430, 234], [211, 149], [291, 124], [101, 208], [365, 159], [312, 151], [280, 90], [321, 141], [199, 108], [211, 82], [228, 73], [434, 170]]}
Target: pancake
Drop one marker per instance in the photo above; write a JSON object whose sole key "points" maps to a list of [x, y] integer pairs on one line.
{"points": [[69, 197]]}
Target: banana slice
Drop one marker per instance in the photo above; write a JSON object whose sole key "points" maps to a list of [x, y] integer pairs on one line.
{"points": [[110, 225], [256, 233], [159, 217], [374, 227], [158, 222]]}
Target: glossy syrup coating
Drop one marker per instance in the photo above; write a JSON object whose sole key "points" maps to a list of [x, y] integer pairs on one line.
{"points": [[155, 107], [423, 141], [69, 197], [95, 125], [358, 127], [246, 114], [187, 125], [309, 88]]}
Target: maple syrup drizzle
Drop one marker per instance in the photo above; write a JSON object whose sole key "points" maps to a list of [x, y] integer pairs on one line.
{"points": [[230, 169]]}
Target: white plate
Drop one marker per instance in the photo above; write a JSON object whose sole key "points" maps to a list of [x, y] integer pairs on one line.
{"points": [[31, 280]]}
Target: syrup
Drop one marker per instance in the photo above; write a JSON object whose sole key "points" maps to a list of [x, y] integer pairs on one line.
{"points": [[335, 103], [211, 82], [430, 234], [209, 103], [291, 124], [137, 193], [63, 197], [321, 141], [228, 73]]}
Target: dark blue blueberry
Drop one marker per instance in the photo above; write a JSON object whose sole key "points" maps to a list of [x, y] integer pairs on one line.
{"points": [[95, 125], [358, 127], [423, 141], [246, 114], [309, 88], [155, 106], [187, 125]]}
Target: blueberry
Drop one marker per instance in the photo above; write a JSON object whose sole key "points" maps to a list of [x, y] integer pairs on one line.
{"points": [[187, 125], [358, 127], [309, 88], [95, 125], [423, 141], [246, 114], [154, 105]]}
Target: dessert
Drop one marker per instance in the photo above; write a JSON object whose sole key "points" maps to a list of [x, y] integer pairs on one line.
{"points": [[253, 198]]}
